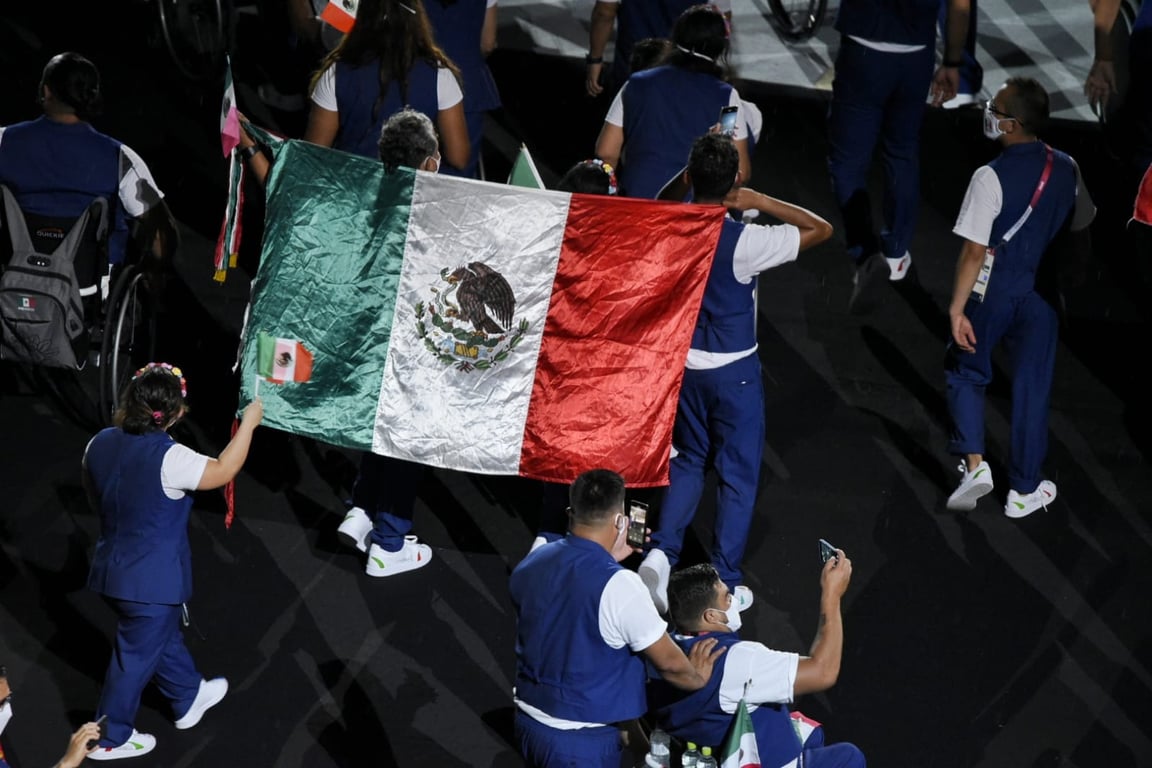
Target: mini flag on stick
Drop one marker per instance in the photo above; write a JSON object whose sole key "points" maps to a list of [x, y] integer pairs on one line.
{"points": [[282, 360], [228, 243], [524, 173], [740, 749], [229, 116], [230, 489], [341, 14]]}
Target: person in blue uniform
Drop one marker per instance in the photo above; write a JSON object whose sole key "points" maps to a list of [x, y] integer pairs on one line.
{"points": [[659, 112], [1013, 209], [585, 627], [720, 416], [466, 30], [635, 20], [766, 679], [139, 479], [388, 61], [57, 164], [884, 72]]}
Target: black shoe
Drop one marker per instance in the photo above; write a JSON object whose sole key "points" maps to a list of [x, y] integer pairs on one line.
{"points": [[871, 276]]}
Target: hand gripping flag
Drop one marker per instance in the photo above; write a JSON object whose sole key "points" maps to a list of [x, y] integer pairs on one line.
{"points": [[473, 325], [740, 749]]}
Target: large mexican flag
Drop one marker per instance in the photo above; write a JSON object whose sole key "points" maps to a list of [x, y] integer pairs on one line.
{"points": [[472, 325]]}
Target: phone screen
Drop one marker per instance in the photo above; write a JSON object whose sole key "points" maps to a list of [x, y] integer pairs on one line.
{"points": [[827, 551], [728, 120], [637, 523]]}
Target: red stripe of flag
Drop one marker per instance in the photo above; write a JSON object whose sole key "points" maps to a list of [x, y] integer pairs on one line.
{"points": [[616, 338]]}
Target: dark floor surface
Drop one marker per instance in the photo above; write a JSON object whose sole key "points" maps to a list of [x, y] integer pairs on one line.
{"points": [[972, 639]]}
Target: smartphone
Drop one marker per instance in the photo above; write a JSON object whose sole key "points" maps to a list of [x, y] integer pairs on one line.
{"points": [[103, 732], [827, 551], [728, 120], [637, 523]]}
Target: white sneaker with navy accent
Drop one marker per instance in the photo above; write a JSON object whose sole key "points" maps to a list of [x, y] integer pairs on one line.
{"points": [[974, 485], [654, 572], [210, 694], [409, 557], [138, 744], [355, 529], [1024, 504], [898, 268]]}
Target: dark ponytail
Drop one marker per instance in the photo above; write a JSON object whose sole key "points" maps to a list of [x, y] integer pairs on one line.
{"points": [[74, 81]]}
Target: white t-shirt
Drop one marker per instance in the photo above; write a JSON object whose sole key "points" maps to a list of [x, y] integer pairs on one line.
{"points": [[627, 618], [448, 93], [770, 676], [760, 247], [615, 114], [180, 471]]}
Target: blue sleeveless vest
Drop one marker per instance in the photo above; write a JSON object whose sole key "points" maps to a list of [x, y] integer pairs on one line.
{"points": [[563, 665], [361, 120], [1019, 168], [665, 110], [727, 319], [457, 28], [143, 552], [697, 716]]}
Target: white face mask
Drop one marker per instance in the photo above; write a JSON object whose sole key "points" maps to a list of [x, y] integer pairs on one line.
{"points": [[731, 617], [992, 123], [5, 715]]}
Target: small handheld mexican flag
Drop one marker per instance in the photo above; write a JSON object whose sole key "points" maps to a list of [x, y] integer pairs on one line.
{"points": [[740, 749], [282, 360], [340, 14]]}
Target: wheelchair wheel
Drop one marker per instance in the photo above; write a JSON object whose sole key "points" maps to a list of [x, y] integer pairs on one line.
{"points": [[129, 337], [195, 34], [797, 20]]}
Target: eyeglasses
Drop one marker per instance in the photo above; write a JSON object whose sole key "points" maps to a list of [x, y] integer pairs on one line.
{"points": [[990, 107]]}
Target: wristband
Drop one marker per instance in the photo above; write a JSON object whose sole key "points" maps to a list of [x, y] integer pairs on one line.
{"points": [[247, 153], [590, 59]]}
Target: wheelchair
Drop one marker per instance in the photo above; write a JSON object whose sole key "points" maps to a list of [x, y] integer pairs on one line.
{"points": [[87, 374]]}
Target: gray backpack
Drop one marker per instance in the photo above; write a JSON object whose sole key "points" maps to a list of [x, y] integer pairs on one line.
{"points": [[41, 310]]}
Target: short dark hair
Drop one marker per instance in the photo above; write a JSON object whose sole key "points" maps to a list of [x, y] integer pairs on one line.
{"points": [[156, 390], [700, 40], [1027, 101], [712, 166], [649, 52], [691, 591], [407, 139], [589, 177], [74, 81], [595, 495]]}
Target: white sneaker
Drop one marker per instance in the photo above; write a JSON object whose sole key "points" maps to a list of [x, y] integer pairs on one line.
{"points": [[973, 486], [210, 694], [742, 598], [1024, 504], [960, 100], [138, 744], [654, 573], [411, 556], [898, 268], [355, 529]]}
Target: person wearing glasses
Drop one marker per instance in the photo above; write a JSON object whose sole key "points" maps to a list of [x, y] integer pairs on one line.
{"points": [[139, 480], [78, 745], [1014, 207]]}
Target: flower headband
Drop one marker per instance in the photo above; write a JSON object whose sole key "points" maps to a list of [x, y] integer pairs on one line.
{"points": [[165, 367], [608, 169]]}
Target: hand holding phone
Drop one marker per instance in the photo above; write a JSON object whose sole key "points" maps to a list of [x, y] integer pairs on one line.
{"points": [[827, 551], [637, 523], [103, 732], [728, 120]]}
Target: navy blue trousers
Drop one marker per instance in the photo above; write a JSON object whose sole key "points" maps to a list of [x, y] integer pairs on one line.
{"points": [[386, 489], [719, 425], [1028, 327], [877, 99], [546, 747], [149, 646]]}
